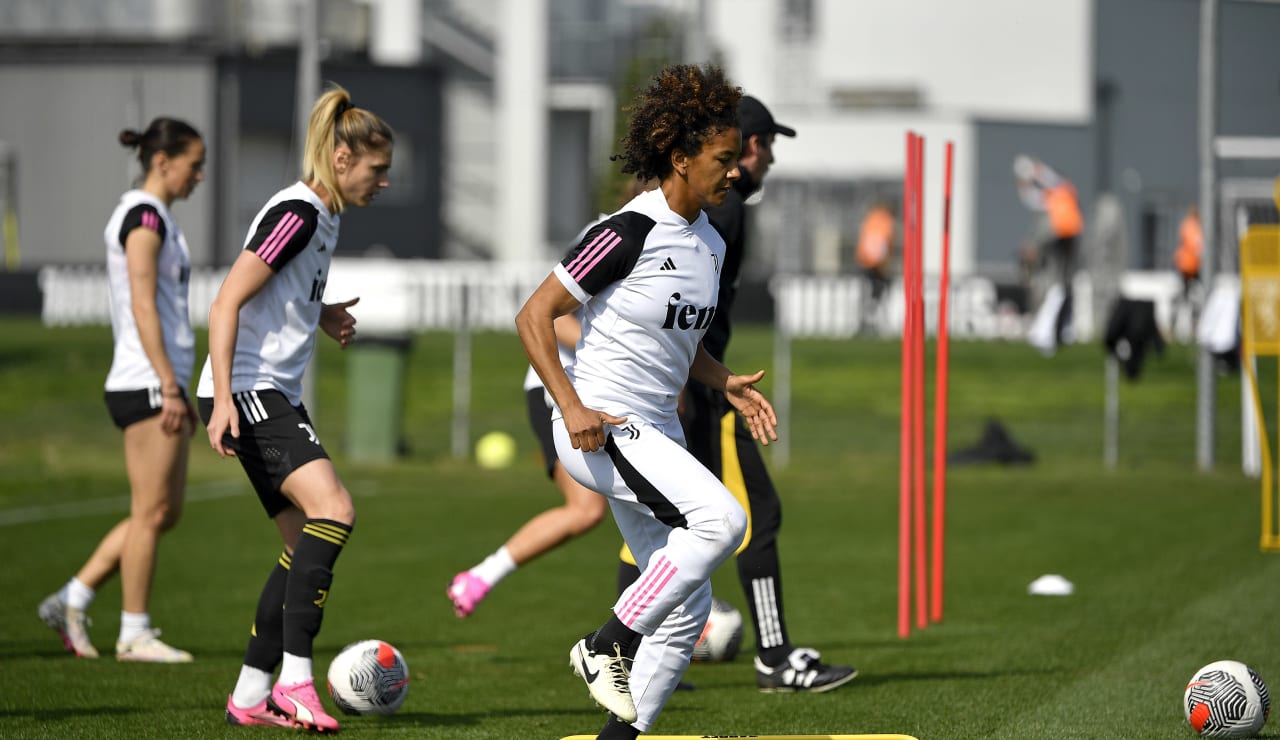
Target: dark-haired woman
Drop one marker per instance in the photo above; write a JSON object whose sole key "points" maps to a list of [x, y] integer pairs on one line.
{"points": [[645, 283], [148, 268], [262, 329]]}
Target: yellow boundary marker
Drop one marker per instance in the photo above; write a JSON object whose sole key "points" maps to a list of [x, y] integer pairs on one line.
{"points": [[1260, 337], [759, 737]]}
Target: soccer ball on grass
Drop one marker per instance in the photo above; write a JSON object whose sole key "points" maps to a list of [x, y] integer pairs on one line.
{"points": [[368, 677], [722, 635], [1226, 699]]}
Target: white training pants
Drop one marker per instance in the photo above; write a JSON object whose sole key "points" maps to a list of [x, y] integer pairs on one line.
{"points": [[681, 523]]}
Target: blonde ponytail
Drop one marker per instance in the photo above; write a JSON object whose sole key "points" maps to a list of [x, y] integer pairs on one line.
{"points": [[335, 121]]}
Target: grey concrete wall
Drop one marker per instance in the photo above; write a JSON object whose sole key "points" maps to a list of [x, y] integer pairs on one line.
{"points": [[1142, 144], [63, 120], [1004, 223], [405, 221]]}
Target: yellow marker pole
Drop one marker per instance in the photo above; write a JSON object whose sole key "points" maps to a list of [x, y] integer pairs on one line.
{"points": [[1260, 336]]}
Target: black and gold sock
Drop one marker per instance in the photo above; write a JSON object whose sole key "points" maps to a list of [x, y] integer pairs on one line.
{"points": [[266, 637], [616, 729], [309, 578], [611, 633]]}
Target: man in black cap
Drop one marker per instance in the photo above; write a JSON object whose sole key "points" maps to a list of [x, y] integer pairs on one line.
{"points": [[719, 438]]}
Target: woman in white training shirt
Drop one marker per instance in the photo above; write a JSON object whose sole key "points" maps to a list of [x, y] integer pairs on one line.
{"points": [[645, 284], [583, 508], [148, 269], [261, 336]]}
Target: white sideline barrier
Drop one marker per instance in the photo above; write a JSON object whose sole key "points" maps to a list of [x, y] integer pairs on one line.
{"points": [[410, 295], [407, 295], [842, 307], [396, 296], [78, 295], [403, 296]]}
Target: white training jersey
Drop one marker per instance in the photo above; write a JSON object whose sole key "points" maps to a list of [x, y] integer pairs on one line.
{"points": [[648, 281], [130, 367], [531, 378], [295, 234]]}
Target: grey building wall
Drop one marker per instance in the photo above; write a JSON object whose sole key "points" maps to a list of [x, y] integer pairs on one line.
{"points": [[63, 118], [1146, 130], [1249, 75], [1148, 137], [1003, 222], [1143, 142], [569, 188], [405, 220], [64, 109]]}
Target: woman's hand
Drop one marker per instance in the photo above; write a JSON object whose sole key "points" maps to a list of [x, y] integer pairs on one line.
{"points": [[175, 413], [224, 419], [586, 427], [754, 407], [338, 323]]}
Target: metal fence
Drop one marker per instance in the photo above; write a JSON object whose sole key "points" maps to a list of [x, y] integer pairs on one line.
{"points": [[399, 297]]}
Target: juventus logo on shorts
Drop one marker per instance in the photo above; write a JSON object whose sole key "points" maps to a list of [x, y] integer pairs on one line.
{"points": [[632, 432]]}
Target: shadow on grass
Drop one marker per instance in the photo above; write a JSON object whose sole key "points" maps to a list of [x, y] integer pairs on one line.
{"points": [[15, 650], [49, 715], [434, 719], [919, 640], [831, 646], [877, 679], [22, 650]]}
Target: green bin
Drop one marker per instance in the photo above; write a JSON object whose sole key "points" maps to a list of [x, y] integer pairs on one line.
{"points": [[375, 395]]}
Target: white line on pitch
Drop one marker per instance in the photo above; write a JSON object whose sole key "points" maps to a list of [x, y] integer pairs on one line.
{"points": [[210, 491]]}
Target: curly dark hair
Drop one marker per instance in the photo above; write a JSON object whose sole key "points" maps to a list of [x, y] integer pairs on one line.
{"points": [[683, 105]]}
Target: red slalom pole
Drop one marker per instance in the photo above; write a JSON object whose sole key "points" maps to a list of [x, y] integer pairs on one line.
{"points": [[904, 448], [918, 400], [941, 368]]}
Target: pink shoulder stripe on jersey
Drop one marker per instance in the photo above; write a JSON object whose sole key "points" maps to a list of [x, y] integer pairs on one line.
{"points": [[280, 236], [151, 220], [651, 584], [604, 243]]}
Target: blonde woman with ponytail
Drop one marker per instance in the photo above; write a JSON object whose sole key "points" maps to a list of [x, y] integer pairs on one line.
{"points": [[261, 336]]}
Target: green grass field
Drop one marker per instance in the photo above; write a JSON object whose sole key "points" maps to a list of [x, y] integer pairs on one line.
{"points": [[1165, 560]]}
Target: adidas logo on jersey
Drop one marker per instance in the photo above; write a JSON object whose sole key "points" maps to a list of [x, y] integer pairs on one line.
{"points": [[668, 265], [687, 316]]}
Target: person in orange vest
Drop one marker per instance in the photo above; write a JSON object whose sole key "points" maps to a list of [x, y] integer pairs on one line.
{"points": [[1045, 191], [875, 247], [1190, 242]]}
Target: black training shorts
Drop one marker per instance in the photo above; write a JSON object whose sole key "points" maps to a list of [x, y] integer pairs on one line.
{"points": [[130, 407], [276, 438], [540, 420]]}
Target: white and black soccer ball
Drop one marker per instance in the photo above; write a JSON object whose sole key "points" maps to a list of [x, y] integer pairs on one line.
{"points": [[1226, 699], [722, 635], [369, 677]]}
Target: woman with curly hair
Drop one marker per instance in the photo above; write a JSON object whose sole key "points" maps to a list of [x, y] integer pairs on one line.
{"points": [[644, 283]]}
